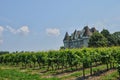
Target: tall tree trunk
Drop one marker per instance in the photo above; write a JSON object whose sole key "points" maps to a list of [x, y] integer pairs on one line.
{"points": [[30, 65], [83, 71], [107, 66], [25, 64], [113, 65], [110, 65], [57, 66], [76, 67], [39, 65], [52, 67], [62, 67], [91, 69], [34, 64]]}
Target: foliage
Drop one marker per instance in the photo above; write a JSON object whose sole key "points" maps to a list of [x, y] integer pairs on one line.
{"points": [[64, 59], [105, 33], [11, 74], [4, 52], [97, 40], [112, 39], [117, 37]]}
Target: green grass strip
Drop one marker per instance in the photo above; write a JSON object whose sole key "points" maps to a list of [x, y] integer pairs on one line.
{"points": [[112, 76], [11, 74], [80, 73]]}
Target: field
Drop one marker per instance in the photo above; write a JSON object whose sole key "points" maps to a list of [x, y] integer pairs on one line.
{"points": [[70, 64], [14, 73]]}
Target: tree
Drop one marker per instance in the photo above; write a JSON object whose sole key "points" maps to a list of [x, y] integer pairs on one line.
{"points": [[117, 37], [97, 40], [62, 47], [4, 52], [110, 38], [105, 33], [113, 39]]}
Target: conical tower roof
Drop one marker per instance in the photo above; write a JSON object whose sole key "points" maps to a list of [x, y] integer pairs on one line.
{"points": [[66, 36], [74, 34], [87, 31], [93, 30]]}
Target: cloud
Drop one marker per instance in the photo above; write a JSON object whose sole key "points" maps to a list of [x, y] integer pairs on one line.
{"points": [[1, 30], [24, 30], [53, 31], [12, 30]]}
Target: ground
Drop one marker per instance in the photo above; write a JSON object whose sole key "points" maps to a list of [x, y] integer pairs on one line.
{"points": [[10, 73]]}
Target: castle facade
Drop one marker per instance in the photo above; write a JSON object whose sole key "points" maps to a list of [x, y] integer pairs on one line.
{"points": [[78, 38]]}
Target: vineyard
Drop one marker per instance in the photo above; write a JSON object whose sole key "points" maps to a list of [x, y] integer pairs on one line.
{"points": [[77, 63]]}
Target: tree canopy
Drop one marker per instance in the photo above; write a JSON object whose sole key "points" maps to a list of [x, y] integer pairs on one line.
{"points": [[97, 40], [105, 33], [104, 38]]}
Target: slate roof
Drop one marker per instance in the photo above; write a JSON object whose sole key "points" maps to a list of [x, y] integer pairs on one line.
{"points": [[66, 36], [86, 32], [93, 29]]}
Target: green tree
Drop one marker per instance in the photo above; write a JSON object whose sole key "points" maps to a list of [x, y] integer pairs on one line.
{"points": [[105, 33], [97, 40], [113, 39], [117, 37]]}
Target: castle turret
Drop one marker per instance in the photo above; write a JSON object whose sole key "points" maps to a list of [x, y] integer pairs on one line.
{"points": [[93, 30], [66, 37], [66, 40], [87, 31], [78, 38]]}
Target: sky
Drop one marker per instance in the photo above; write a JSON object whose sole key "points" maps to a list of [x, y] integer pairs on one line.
{"points": [[37, 25]]}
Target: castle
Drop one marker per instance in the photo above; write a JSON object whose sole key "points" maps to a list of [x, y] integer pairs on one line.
{"points": [[78, 39]]}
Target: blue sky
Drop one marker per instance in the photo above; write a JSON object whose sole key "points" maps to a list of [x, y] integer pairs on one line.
{"points": [[35, 25]]}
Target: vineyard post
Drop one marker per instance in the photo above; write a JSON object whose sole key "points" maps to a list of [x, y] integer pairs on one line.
{"points": [[83, 71]]}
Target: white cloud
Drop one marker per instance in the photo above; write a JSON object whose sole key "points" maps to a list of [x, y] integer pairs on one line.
{"points": [[12, 30], [1, 30], [53, 31], [24, 30]]}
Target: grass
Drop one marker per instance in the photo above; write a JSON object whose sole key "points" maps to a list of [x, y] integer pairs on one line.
{"points": [[15, 74], [80, 73], [8, 72], [112, 76], [11, 74]]}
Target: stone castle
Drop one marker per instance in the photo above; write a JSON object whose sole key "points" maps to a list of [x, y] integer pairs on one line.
{"points": [[78, 38]]}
